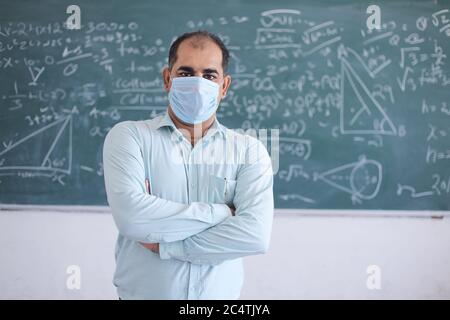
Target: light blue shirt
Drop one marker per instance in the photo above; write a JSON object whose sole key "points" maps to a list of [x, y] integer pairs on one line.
{"points": [[187, 212]]}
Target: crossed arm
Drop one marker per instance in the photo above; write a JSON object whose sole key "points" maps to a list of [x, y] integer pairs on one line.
{"points": [[155, 246], [208, 233]]}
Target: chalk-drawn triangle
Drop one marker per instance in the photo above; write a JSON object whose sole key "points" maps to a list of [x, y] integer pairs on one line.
{"points": [[338, 177], [59, 156], [47, 148], [360, 113]]}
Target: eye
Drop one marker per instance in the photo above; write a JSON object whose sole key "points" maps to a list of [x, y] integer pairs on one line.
{"points": [[209, 77], [184, 74]]}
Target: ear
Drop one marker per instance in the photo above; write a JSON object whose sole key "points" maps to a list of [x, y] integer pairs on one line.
{"points": [[166, 78], [225, 86]]}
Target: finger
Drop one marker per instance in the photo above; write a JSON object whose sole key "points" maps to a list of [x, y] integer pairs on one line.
{"points": [[147, 185]]}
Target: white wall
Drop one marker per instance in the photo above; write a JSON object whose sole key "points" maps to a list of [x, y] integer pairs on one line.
{"points": [[309, 257]]}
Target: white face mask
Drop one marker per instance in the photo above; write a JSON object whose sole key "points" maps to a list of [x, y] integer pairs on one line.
{"points": [[193, 99]]}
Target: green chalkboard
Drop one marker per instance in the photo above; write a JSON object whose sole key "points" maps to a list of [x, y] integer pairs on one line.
{"points": [[363, 114]]}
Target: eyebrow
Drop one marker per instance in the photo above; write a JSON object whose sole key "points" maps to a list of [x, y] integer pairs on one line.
{"points": [[191, 70], [187, 69], [210, 70]]}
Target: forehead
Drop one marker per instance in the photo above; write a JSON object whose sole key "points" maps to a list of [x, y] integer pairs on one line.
{"points": [[199, 54]]}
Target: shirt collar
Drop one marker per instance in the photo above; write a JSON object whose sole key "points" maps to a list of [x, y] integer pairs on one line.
{"points": [[165, 121], [216, 127]]}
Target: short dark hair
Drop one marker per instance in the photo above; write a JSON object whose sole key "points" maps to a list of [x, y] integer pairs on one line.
{"points": [[199, 34]]}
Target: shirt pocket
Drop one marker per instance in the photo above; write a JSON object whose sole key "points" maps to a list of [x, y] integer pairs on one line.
{"points": [[221, 190]]}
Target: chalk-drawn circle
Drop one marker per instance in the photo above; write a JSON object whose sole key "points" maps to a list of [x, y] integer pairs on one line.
{"points": [[365, 179]]}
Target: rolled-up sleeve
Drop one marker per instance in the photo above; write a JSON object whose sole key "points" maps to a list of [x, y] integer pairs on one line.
{"points": [[141, 216], [246, 233]]}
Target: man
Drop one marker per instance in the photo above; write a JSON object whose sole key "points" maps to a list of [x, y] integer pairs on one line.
{"points": [[189, 196]]}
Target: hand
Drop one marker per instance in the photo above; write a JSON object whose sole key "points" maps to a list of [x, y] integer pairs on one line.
{"points": [[233, 210], [151, 246], [147, 186]]}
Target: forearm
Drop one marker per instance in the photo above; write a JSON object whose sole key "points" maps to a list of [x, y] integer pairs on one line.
{"points": [[235, 237], [147, 218]]}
